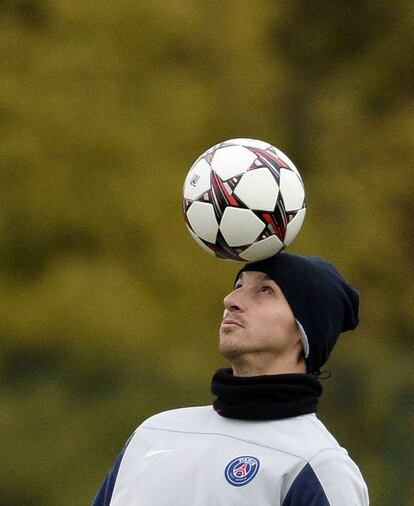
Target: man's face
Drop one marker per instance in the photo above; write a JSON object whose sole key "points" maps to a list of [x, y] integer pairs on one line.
{"points": [[258, 320]]}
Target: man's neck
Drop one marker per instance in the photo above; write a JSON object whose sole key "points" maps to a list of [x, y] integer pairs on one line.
{"points": [[252, 365]]}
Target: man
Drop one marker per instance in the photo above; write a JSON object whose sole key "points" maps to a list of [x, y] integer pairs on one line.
{"points": [[261, 442]]}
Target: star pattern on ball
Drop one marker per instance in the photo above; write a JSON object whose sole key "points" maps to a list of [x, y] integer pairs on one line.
{"points": [[244, 200]]}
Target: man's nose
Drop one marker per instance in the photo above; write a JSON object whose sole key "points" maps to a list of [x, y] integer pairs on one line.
{"points": [[234, 301]]}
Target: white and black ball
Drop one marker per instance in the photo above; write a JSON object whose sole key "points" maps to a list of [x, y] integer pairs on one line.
{"points": [[244, 199]]}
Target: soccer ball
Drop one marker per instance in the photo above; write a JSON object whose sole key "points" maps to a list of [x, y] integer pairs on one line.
{"points": [[243, 200]]}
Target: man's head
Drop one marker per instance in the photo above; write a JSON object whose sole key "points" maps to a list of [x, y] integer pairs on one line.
{"points": [[259, 334], [321, 303]]}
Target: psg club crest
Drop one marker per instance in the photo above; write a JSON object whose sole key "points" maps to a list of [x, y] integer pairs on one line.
{"points": [[241, 471]]}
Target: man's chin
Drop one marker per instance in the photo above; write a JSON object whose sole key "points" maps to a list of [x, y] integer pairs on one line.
{"points": [[230, 349]]}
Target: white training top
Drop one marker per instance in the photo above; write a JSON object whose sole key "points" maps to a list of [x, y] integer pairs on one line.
{"points": [[195, 457]]}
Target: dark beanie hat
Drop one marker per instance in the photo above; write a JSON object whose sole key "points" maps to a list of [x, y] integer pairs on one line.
{"points": [[320, 298]]}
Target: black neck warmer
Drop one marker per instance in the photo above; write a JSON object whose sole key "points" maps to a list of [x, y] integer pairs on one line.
{"points": [[265, 397]]}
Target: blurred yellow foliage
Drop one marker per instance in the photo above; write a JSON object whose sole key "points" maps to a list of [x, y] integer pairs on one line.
{"points": [[109, 309]]}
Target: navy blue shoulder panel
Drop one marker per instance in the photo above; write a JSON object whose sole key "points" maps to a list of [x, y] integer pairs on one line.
{"points": [[104, 496], [306, 490]]}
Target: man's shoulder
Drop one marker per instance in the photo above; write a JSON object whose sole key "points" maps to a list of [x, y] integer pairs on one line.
{"points": [[180, 418], [320, 438], [303, 436]]}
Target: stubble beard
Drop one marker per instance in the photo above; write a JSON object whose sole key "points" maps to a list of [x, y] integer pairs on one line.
{"points": [[229, 345]]}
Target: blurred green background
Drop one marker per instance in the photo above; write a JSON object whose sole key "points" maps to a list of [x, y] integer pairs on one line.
{"points": [[109, 310]]}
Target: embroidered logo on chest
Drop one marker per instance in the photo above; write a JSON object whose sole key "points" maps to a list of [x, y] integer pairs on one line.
{"points": [[241, 471]]}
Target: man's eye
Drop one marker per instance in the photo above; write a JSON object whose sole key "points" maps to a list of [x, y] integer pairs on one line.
{"points": [[267, 289]]}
